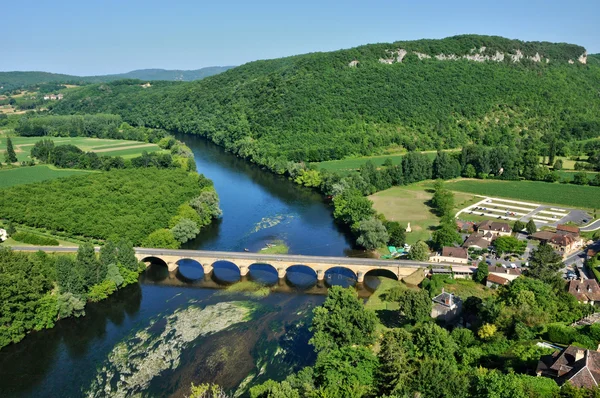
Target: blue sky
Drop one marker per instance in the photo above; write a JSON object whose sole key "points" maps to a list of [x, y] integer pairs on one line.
{"points": [[99, 37]]}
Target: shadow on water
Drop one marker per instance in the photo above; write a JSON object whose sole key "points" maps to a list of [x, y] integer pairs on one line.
{"points": [[32, 361]]}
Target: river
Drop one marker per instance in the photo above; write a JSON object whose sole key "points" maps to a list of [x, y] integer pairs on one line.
{"points": [[157, 337]]}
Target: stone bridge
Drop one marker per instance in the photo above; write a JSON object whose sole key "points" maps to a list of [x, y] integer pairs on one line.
{"points": [[280, 262]]}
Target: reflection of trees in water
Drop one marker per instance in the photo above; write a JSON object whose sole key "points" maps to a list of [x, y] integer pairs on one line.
{"points": [[26, 364], [82, 331]]}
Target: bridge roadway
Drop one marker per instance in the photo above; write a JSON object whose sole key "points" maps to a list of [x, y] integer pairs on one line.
{"points": [[280, 262]]}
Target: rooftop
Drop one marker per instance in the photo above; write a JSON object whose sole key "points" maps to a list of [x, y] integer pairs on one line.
{"points": [[457, 252], [585, 290]]}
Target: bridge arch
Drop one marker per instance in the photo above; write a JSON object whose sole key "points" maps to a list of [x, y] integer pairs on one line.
{"points": [[189, 269], [263, 273], [157, 269], [225, 271], [384, 272], [301, 276], [340, 276]]}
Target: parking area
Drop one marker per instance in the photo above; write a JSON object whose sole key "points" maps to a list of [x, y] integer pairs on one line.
{"points": [[513, 210]]}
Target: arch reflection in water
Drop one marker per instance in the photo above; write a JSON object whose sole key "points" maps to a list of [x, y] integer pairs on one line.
{"points": [[189, 270], [340, 276], [226, 272], [265, 274], [157, 270], [301, 276]]}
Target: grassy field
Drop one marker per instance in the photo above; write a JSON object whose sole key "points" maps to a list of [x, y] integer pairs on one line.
{"points": [[123, 148], [406, 204], [351, 164], [568, 164], [585, 197], [26, 175]]}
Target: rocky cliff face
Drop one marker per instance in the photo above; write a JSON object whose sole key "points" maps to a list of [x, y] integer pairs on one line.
{"points": [[477, 55]]}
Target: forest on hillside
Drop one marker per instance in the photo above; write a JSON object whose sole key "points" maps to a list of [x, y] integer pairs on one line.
{"points": [[316, 107]]}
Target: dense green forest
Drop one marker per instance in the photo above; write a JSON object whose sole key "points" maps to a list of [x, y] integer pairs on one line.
{"points": [[38, 289], [129, 204], [317, 107], [10, 81]]}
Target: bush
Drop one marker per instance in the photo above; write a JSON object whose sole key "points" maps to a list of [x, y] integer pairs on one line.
{"points": [[101, 291], [34, 239]]}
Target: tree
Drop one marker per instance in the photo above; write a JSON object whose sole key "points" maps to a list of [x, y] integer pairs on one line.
{"points": [[351, 208], [92, 270], [433, 341], [518, 226], [185, 230], [395, 364], [208, 199], [470, 171], [42, 150], [126, 255], [544, 263], [419, 251], [531, 227], [207, 391], [442, 201], [108, 253], [482, 272], [397, 234], [10, 156], [509, 244], [446, 235], [581, 178], [415, 306], [445, 166], [161, 238], [342, 320], [114, 275], [372, 234], [10, 229], [558, 165], [68, 276], [346, 372], [70, 305], [487, 331]]}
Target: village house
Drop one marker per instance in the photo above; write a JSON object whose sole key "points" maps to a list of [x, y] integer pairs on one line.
{"points": [[465, 226], [3, 235], [446, 307], [585, 291], [494, 229], [477, 241], [53, 97], [509, 274], [574, 365], [565, 241], [456, 255], [494, 280]]}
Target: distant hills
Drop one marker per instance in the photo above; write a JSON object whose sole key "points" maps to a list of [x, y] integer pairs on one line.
{"points": [[17, 80], [423, 94]]}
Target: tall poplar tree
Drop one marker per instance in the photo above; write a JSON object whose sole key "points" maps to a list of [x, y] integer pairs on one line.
{"points": [[10, 156]]}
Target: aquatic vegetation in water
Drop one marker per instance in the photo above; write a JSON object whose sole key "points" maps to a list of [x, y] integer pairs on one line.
{"points": [[248, 288], [277, 247], [133, 363], [269, 222]]}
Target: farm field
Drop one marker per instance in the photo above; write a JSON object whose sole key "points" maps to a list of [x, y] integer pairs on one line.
{"points": [[585, 197], [107, 147], [26, 175], [406, 204], [350, 164]]}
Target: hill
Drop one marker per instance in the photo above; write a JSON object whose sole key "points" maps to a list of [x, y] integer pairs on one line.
{"points": [[161, 74], [17, 80], [424, 94]]}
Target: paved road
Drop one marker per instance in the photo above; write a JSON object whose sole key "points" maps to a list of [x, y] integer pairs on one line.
{"points": [[591, 227], [246, 255]]}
